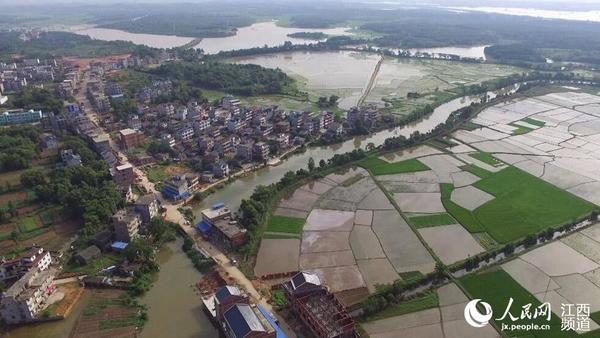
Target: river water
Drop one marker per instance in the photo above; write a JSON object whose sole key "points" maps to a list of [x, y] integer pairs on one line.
{"points": [[233, 193], [262, 34], [151, 40], [174, 304], [256, 35]]}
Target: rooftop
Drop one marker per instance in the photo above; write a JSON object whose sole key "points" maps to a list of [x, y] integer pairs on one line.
{"points": [[242, 320], [302, 278], [217, 211], [127, 131], [229, 227], [124, 166]]}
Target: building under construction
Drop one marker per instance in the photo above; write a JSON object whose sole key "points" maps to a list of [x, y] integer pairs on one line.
{"points": [[318, 309]]}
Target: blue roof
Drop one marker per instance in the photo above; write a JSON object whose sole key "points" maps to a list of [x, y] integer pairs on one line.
{"points": [[119, 245], [204, 227], [242, 320], [218, 205], [225, 292], [267, 315]]}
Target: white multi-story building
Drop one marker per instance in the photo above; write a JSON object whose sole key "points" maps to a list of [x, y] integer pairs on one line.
{"points": [[27, 296]]}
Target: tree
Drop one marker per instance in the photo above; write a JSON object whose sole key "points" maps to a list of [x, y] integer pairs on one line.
{"points": [[311, 164], [140, 249], [33, 178], [322, 164], [333, 100]]}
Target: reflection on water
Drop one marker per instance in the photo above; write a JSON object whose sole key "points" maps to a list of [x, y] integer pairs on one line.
{"points": [[476, 52], [174, 305], [343, 73], [256, 35], [261, 34], [151, 40]]}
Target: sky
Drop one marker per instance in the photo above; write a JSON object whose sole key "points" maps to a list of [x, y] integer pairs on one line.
{"points": [[554, 4]]}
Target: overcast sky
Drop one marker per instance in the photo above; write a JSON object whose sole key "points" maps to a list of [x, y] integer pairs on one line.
{"points": [[587, 4]]}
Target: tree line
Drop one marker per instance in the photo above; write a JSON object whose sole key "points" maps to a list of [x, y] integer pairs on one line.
{"points": [[246, 80]]}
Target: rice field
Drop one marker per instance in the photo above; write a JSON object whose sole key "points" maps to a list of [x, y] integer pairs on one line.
{"points": [[430, 220], [286, 225], [381, 167], [496, 288]]}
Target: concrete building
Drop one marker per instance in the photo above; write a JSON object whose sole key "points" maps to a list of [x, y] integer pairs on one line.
{"points": [[34, 257], [124, 174], [318, 309], [237, 317], [241, 321], [126, 223], [180, 187], [12, 117], [230, 102], [69, 158], [27, 297], [244, 151], [220, 227], [148, 206], [131, 138], [220, 169], [167, 139], [261, 151], [185, 134]]}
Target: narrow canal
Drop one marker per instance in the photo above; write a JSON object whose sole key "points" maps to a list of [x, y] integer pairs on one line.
{"points": [[174, 305]]}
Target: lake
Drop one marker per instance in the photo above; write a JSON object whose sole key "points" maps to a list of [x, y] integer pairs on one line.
{"points": [[343, 73], [151, 40], [261, 34], [347, 73], [255, 35]]}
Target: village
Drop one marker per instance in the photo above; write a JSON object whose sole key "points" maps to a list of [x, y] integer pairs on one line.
{"points": [[226, 140]]}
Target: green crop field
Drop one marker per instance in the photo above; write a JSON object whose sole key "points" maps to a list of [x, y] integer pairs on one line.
{"points": [[380, 167], [29, 224], [284, 224], [520, 129], [525, 204], [464, 216], [428, 301], [431, 220], [497, 287], [477, 171], [486, 158], [534, 122]]}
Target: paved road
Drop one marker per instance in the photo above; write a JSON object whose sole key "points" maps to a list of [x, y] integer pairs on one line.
{"points": [[174, 215]]}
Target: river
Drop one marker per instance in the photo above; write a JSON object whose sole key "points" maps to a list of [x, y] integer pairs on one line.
{"points": [[242, 188], [174, 304], [262, 34], [256, 35], [151, 40]]}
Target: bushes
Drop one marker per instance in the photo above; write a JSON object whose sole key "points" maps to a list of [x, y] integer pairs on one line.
{"points": [[18, 147], [201, 262]]}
